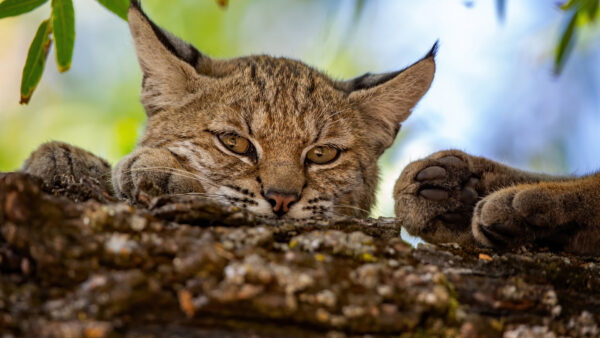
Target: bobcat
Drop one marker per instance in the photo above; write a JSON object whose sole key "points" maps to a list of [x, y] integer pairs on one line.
{"points": [[280, 139], [267, 134]]}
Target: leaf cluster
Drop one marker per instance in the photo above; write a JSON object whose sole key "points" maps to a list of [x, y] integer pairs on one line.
{"points": [[58, 27], [580, 13]]}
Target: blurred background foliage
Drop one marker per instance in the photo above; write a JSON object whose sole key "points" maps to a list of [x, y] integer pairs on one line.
{"points": [[495, 92]]}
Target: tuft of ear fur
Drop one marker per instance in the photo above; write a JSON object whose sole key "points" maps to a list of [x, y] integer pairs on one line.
{"points": [[387, 99], [168, 63]]}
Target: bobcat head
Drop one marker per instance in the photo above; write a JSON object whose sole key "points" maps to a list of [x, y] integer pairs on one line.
{"points": [[271, 134]]}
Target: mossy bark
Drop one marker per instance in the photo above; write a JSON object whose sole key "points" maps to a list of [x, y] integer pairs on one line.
{"points": [[75, 262]]}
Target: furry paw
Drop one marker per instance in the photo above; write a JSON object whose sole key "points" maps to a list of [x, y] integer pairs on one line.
{"points": [[513, 216], [435, 197], [149, 172], [55, 161]]}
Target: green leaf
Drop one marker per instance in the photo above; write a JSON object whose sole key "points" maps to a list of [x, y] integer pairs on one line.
{"points": [[359, 7], [565, 45], [119, 7], [18, 7], [63, 25], [36, 59], [592, 9], [568, 5]]}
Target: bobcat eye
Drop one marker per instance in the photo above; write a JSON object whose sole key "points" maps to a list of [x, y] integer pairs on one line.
{"points": [[322, 154], [235, 143]]}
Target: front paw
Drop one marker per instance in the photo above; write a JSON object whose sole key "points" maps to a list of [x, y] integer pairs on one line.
{"points": [[56, 162], [435, 197], [149, 172], [517, 215]]}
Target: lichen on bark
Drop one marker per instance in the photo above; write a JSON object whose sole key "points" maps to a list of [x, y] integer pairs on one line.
{"points": [[76, 262]]}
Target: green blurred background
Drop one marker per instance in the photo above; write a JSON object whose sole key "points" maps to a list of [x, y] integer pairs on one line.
{"points": [[494, 92], [95, 105]]}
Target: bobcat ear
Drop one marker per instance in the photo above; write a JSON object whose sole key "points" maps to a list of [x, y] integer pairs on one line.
{"points": [[168, 63], [387, 99]]}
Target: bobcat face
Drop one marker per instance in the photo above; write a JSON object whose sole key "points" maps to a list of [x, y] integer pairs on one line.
{"points": [[271, 135], [278, 132]]}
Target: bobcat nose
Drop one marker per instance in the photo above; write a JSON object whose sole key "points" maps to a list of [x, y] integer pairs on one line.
{"points": [[281, 201]]}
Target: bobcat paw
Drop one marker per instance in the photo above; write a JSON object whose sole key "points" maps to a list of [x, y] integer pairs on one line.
{"points": [[435, 197], [516, 215], [54, 160], [149, 172]]}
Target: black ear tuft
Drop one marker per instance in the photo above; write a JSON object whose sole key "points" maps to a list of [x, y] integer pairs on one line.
{"points": [[434, 49], [169, 64], [136, 4], [176, 46], [369, 80], [386, 100]]}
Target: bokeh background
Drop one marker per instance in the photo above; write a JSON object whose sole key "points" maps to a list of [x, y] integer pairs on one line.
{"points": [[494, 93]]}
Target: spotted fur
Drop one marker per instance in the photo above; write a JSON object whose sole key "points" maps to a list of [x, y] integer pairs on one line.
{"points": [[282, 106]]}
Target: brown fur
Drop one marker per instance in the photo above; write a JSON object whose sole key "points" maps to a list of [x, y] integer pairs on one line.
{"points": [[285, 108], [282, 106], [54, 159], [454, 197]]}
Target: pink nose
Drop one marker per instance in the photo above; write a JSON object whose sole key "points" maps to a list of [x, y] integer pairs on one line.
{"points": [[281, 202]]}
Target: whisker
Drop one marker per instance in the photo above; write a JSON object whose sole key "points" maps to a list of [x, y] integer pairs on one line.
{"points": [[201, 194], [174, 171], [165, 170]]}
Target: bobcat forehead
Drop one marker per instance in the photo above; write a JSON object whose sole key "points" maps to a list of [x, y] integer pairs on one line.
{"points": [[269, 134]]}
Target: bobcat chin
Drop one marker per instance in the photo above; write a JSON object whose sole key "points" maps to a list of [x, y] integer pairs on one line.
{"points": [[276, 137]]}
